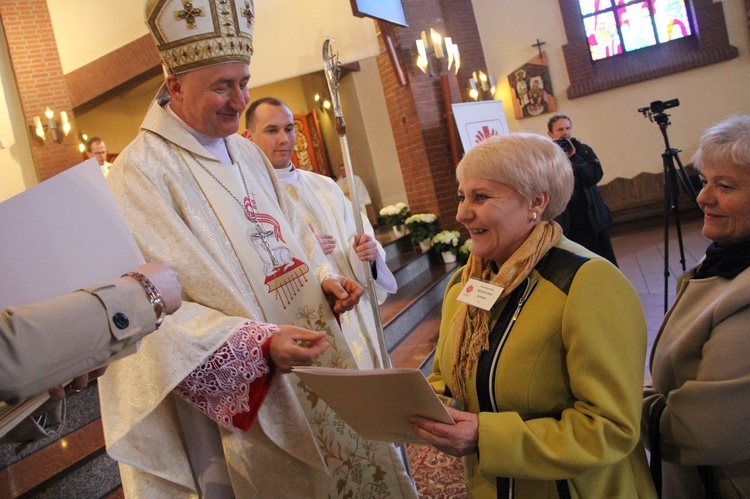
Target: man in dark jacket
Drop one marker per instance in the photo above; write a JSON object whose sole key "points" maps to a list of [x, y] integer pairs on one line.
{"points": [[586, 219]]}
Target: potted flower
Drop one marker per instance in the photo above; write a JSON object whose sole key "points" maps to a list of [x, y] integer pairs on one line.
{"points": [[421, 229], [395, 215], [446, 243], [465, 251]]}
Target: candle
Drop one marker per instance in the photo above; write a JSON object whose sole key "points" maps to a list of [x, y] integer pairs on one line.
{"points": [[437, 43]]}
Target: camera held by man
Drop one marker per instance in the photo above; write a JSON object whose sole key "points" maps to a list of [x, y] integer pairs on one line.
{"points": [[566, 145], [586, 219]]}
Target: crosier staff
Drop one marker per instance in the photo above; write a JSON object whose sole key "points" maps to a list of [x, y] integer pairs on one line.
{"points": [[332, 71]]}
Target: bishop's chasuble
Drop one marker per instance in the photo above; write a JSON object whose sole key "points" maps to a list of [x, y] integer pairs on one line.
{"points": [[246, 260], [326, 210]]}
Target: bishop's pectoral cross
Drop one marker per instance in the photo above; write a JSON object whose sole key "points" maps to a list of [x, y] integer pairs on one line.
{"points": [[263, 236]]}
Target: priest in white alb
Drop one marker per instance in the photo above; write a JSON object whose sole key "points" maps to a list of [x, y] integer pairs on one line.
{"points": [[206, 409], [329, 214], [363, 197]]}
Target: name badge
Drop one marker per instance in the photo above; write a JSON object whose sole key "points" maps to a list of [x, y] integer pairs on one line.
{"points": [[480, 294]]}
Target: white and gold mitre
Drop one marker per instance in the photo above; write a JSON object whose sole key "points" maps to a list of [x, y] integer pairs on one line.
{"points": [[199, 33]]}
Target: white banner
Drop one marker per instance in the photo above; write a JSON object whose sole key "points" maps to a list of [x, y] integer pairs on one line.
{"points": [[477, 121]]}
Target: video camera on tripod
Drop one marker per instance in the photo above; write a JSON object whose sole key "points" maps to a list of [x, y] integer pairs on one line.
{"points": [[657, 108], [674, 174], [655, 112]]}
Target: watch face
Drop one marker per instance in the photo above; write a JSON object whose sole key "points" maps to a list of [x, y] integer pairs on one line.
{"points": [[159, 311]]}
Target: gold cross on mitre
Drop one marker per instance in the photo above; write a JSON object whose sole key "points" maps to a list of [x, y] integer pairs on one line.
{"points": [[247, 13], [189, 14]]}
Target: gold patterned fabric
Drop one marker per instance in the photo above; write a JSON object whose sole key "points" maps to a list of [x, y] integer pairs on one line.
{"points": [[326, 210], [357, 467]]}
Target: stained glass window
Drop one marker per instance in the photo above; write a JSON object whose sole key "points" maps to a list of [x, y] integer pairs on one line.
{"points": [[617, 26]]}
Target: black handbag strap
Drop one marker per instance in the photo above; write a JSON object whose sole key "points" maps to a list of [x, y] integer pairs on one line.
{"points": [[708, 487], [563, 489], [654, 439]]}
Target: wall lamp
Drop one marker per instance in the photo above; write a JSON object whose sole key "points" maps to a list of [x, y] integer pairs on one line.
{"points": [[481, 86], [59, 129], [437, 49], [323, 104], [82, 140]]}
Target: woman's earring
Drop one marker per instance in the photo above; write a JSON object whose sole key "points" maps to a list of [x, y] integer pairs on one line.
{"points": [[533, 216]]}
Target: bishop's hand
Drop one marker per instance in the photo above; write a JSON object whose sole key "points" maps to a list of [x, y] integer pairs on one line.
{"points": [[341, 292], [296, 346]]}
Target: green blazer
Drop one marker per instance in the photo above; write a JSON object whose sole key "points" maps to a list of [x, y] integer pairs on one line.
{"points": [[559, 393]]}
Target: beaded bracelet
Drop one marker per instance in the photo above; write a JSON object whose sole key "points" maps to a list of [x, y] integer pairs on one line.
{"points": [[154, 297]]}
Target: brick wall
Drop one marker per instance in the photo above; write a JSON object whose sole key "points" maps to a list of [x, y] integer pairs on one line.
{"points": [[709, 46], [462, 27], [410, 145], [418, 110], [114, 73], [40, 80]]}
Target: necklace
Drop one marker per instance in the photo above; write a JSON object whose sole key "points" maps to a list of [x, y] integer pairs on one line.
{"points": [[247, 206], [249, 210]]}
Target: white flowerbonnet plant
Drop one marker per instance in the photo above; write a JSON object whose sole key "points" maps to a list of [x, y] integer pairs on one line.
{"points": [[421, 226], [446, 240], [395, 214], [465, 250]]}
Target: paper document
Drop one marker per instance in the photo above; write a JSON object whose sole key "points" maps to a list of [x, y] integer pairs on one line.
{"points": [[59, 236], [377, 403], [64, 234]]}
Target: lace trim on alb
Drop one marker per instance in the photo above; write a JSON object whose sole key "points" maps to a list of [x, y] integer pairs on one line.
{"points": [[220, 386]]}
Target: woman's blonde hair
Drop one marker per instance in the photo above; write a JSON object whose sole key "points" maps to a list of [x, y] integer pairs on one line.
{"points": [[529, 163]]}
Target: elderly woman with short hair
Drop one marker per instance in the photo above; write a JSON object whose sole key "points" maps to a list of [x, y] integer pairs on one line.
{"points": [[696, 407], [551, 375]]}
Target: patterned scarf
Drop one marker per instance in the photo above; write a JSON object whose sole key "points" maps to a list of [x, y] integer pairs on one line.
{"points": [[471, 327]]}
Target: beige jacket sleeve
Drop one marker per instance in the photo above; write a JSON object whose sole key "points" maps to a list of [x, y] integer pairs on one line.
{"points": [[46, 344]]}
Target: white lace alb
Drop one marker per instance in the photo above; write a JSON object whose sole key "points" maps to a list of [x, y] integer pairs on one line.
{"points": [[220, 386]]}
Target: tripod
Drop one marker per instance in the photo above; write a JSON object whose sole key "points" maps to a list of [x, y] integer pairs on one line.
{"points": [[672, 174]]}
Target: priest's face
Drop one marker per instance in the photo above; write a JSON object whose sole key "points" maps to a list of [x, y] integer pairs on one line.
{"points": [[273, 131], [211, 99], [98, 151]]}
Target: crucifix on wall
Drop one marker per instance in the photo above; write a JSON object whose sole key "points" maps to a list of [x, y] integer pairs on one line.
{"points": [[538, 45], [531, 87]]}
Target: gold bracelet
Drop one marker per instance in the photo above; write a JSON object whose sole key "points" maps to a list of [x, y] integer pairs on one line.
{"points": [[154, 297]]}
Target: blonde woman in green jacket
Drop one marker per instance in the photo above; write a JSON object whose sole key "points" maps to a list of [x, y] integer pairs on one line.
{"points": [[550, 375]]}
